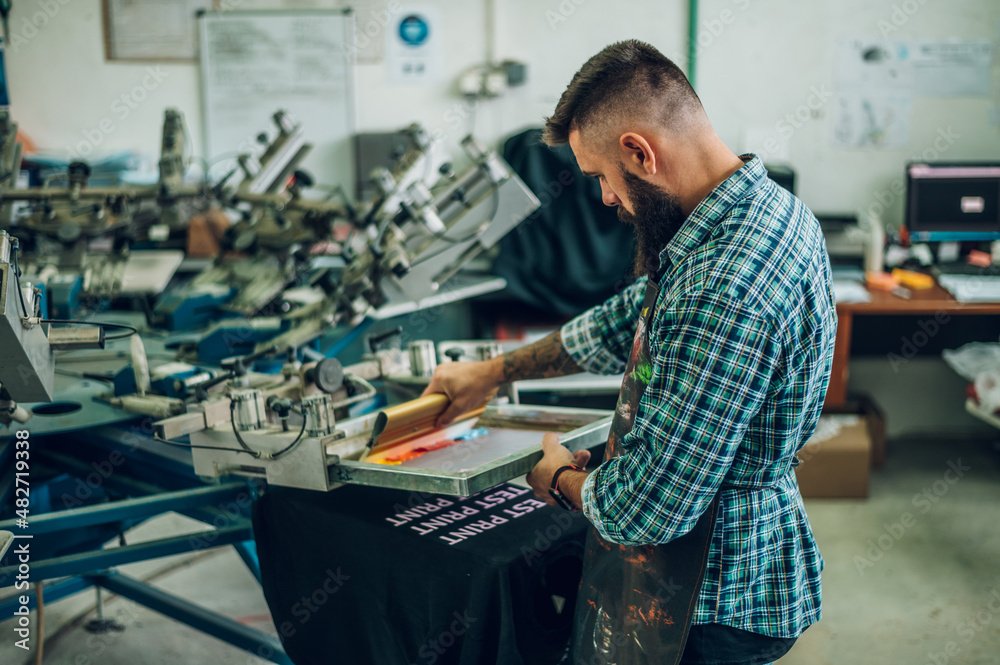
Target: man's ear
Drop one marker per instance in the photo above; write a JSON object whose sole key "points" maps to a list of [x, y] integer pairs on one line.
{"points": [[637, 152]]}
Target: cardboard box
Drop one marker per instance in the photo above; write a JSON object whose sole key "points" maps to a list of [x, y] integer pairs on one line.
{"points": [[873, 414], [836, 461]]}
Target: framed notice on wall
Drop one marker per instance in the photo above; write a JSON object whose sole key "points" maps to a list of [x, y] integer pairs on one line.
{"points": [[254, 63], [152, 29]]}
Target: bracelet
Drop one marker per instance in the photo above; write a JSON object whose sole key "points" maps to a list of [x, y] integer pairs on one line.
{"points": [[554, 492]]}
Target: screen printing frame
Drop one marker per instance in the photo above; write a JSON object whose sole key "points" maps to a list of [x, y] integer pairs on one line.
{"points": [[466, 482]]}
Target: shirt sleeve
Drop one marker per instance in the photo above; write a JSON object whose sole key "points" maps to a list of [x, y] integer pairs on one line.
{"points": [[599, 340], [710, 376]]}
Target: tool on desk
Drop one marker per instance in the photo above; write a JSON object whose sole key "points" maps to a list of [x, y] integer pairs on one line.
{"points": [[917, 281], [972, 288], [881, 281], [979, 259]]}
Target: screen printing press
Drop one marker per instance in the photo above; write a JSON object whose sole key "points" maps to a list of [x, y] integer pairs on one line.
{"points": [[397, 448], [223, 398], [406, 569], [397, 532]]}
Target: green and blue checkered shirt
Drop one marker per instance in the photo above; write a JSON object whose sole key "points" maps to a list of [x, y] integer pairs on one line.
{"points": [[741, 342]]}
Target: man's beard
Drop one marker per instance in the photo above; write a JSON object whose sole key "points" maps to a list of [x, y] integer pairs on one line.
{"points": [[657, 218]]}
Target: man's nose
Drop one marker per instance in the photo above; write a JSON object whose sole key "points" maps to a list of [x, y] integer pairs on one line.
{"points": [[609, 197]]}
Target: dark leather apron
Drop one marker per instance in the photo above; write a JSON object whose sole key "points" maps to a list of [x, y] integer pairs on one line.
{"points": [[636, 603]]}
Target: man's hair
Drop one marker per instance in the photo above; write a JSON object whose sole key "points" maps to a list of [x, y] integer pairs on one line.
{"points": [[629, 77]]}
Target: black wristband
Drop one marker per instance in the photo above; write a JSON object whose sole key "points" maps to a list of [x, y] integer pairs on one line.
{"points": [[554, 492]]}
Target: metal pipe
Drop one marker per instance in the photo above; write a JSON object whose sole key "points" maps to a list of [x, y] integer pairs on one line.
{"points": [[228, 630], [89, 561]]}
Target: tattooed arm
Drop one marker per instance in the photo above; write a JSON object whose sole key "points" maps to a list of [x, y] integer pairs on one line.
{"points": [[469, 385], [597, 341], [544, 359]]}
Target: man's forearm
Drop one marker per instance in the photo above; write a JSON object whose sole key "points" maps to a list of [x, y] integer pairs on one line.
{"points": [[571, 486], [543, 359]]}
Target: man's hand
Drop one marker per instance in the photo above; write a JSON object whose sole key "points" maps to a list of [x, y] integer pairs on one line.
{"points": [[555, 455], [468, 385]]}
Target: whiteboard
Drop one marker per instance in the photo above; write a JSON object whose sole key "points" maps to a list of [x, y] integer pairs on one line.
{"points": [[254, 63]]}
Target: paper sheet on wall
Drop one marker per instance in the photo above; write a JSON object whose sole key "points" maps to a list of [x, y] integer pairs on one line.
{"points": [[152, 29], [873, 66], [414, 46], [872, 120], [255, 63], [875, 83], [373, 18], [953, 68]]}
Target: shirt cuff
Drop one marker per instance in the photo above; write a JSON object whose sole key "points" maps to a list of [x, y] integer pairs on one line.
{"points": [[588, 350], [588, 498]]}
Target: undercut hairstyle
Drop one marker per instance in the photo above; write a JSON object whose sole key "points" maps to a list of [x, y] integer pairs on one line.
{"points": [[628, 79]]}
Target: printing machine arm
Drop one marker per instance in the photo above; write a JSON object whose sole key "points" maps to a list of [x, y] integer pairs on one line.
{"points": [[27, 369], [411, 248]]}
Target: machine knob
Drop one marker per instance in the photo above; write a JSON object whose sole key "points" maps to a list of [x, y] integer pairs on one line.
{"points": [[69, 232], [303, 178], [78, 171], [328, 375]]}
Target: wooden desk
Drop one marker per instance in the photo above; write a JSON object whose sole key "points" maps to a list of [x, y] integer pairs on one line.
{"points": [[933, 302]]}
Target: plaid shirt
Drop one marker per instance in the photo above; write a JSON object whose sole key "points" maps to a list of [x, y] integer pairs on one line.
{"points": [[741, 343]]}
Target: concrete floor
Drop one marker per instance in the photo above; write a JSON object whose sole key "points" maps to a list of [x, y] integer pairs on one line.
{"points": [[912, 577]]}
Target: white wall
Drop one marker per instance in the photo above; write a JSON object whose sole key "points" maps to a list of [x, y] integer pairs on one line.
{"points": [[63, 94], [762, 61], [759, 62], [63, 90]]}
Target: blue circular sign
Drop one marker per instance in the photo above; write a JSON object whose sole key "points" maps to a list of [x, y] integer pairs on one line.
{"points": [[414, 30]]}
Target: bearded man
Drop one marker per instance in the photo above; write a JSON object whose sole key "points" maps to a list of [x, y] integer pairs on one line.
{"points": [[701, 551]]}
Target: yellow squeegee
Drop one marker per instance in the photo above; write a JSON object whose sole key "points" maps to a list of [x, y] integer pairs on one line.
{"points": [[408, 420]]}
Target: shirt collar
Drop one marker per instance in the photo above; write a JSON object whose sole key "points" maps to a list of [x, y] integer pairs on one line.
{"points": [[712, 209]]}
